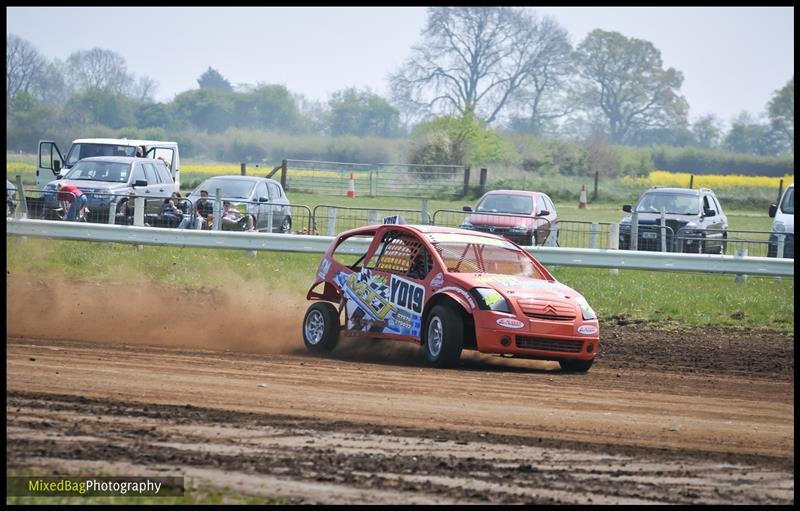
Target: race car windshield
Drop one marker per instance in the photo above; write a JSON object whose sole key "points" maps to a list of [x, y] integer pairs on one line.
{"points": [[465, 257]]}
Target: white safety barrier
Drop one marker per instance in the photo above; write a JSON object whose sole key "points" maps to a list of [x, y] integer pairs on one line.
{"points": [[588, 257]]}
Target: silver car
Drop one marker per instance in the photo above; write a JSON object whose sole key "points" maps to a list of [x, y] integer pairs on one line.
{"points": [[262, 198]]}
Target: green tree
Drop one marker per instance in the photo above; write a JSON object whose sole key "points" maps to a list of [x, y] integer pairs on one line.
{"points": [[205, 109], [97, 106], [781, 114], [213, 79], [626, 82], [99, 70], [27, 121], [362, 113], [707, 131], [748, 136], [463, 140], [266, 106]]}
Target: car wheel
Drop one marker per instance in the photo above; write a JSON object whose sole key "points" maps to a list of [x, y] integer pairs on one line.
{"points": [[321, 327], [575, 366], [444, 336], [286, 226]]}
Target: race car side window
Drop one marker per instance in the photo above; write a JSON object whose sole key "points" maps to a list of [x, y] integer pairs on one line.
{"points": [[352, 254]]}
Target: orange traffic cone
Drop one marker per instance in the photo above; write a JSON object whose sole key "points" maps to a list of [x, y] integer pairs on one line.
{"points": [[351, 187], [582, 199]]}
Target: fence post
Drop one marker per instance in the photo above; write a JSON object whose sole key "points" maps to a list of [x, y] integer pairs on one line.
{"points": [[595, 232], [663, 229], [596, 176], [270, 217], [483, 181], [466, 181], [283, 175], [613, 244], [138, 211], [22, 207], [423, 210], [634, 244], [691, 181], [331, 222], [780, 192], [740, 252], [112, 211], [373, 217], [244, 169], [781, 246], [372, 183], [217, 210]]}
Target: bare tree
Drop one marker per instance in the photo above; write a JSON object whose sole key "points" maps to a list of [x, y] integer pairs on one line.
{"points": [[101, 70], [474, 60], [625, 79], [24, 65]]}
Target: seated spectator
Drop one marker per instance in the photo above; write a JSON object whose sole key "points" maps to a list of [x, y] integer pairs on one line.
{"points": [[205, 208], [125, 210], [171, 215], [233, 220]]}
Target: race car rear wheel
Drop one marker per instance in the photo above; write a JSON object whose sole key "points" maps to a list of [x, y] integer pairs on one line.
{"points": [[321, 327], [444, 336], [575, 366]]}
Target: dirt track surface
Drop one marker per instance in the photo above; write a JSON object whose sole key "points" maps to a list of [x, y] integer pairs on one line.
{"points": [[683, 417]]}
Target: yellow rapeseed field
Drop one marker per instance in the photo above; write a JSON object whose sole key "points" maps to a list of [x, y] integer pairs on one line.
{"points": [[714, 181]]}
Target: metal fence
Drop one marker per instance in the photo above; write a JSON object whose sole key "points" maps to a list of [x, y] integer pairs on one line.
{"points": [[331, 220], [378, 179]]}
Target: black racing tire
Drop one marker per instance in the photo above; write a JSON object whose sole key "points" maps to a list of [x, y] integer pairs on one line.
{"points": [[575, 366], [321, 327], [286, 225], [443, 336]]}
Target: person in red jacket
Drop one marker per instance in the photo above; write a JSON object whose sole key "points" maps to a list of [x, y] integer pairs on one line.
{"points": [[72, 194]]}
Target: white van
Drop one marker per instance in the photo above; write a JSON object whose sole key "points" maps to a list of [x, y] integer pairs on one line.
{"points": [[51, 164], [783, 213]]}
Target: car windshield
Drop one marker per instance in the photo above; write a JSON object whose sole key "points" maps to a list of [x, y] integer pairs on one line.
{"points": [[787, 205], [81, 151], [231, 189], [498, 203], [476, 254], [112, 172], [673, 203]]}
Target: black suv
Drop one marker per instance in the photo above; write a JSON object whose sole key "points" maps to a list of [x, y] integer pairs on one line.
{"points": [[693, 218]]}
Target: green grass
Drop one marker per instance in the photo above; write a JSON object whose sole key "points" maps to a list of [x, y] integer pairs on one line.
{"points": [[659, 298]]}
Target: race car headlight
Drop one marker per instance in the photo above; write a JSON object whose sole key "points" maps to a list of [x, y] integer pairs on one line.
{"points": [[490, 299], [778, 226], [520, 228], [586, 310], [466, 225]]}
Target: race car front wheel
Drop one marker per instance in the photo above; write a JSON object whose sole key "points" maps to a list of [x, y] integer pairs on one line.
{"points": [[444, 336], [321, 327]]}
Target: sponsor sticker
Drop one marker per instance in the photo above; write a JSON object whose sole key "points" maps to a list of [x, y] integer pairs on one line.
{"points": [[324, 266], [510, 323], [437, 281], [587, 329]]}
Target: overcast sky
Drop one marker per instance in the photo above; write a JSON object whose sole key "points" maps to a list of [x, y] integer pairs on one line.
{"points": [[732, 58]]}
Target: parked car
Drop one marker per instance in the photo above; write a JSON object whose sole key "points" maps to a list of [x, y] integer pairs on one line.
{"points": [[110, 179], [448, 289], [11, 198], [694, 219], [524, 217], [259, 197], [783, 213]]}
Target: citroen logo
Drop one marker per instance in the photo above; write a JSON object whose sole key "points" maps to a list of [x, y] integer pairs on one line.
{"points": [[548, 309]]}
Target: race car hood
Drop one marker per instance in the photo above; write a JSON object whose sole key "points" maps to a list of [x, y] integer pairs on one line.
{"points": [[518, 288]]}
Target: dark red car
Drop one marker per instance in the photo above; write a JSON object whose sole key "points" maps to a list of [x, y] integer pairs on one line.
{"points": [[526, 218]]}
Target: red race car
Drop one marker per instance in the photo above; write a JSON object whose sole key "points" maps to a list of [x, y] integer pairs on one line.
{"points": [[447, 289]]}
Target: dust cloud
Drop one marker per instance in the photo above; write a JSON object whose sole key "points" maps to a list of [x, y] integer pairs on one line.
{"points": [[239, 317]]}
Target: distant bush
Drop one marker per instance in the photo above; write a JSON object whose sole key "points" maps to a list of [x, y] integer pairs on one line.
{"points": [[705, 161]]}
